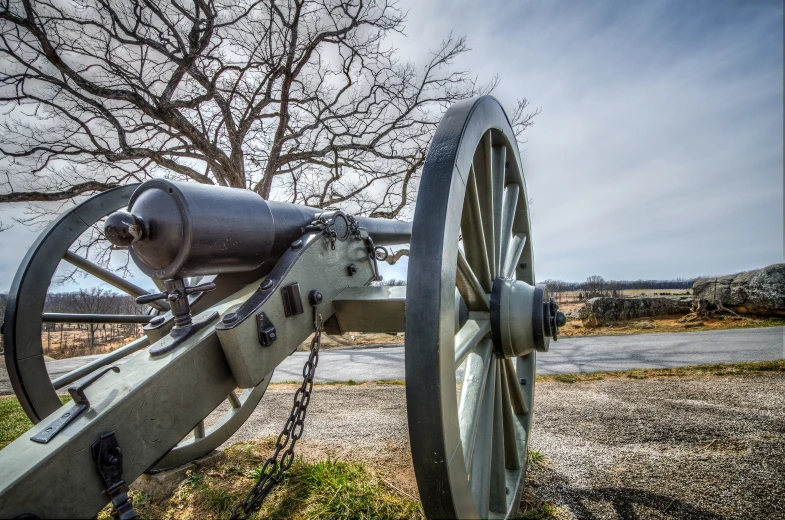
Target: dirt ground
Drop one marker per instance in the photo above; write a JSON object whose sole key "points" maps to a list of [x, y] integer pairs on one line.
{"points": [[703, 447]]}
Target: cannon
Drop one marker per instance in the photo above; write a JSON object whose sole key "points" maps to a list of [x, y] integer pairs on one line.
{"points": [[243, 281]]}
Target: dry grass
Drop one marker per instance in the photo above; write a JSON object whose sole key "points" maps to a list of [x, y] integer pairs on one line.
{"points": [[323, 489], [574, 328], [73, 342], [728, 369]]}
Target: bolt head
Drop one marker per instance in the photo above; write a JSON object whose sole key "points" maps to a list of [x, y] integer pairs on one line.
{"points": [[231, 317], [561, 319], [315, 297]]}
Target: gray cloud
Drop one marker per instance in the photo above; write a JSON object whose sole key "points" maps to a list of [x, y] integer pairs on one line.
{"points": [[659, 151]]}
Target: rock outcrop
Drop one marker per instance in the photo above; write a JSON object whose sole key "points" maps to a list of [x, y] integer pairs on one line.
{"points": [[760, 292], [604, 311]]}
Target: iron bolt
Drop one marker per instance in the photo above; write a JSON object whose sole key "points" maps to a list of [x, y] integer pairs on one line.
{"points": [[113, 456], [230, 318], [560, 318], [315, 297], [266, 284]]}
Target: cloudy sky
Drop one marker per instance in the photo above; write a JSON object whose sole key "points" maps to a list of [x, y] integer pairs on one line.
{"points": [[659, 149]]}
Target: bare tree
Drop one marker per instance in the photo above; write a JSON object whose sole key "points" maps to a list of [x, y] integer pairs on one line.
{"points": [[303, 100], [594, 286], [94, 301]]}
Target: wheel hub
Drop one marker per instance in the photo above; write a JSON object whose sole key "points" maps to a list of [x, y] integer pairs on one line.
{"points": [[521, 319]]}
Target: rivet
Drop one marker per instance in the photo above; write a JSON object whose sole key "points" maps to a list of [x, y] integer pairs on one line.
{"points": [[230, 318], [297, 244], [266, 284], [157, 320]]}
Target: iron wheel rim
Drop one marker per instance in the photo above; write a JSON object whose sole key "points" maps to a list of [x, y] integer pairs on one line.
{"points": [[444, 444]]}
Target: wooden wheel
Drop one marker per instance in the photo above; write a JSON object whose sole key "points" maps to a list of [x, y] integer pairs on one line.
{"points": [[24, 354], [471, 231]]}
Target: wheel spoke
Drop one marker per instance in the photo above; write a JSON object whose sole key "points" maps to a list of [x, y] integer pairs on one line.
{"points": [[468, 337], [487, 196], [516, 395], [514, 252], [511, 460], [472, 392], [73, 375], [509, 206], [469, 286], [61, 317], [499, 159], [474, 244], [480, 458], [199, 431], [498, 496], [111, 278], [234, 400]]}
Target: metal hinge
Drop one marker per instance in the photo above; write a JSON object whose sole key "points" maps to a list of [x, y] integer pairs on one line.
{"points": [[108, 457]]}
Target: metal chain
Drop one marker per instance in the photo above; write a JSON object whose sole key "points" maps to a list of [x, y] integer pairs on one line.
{"points": [[273, 469]]}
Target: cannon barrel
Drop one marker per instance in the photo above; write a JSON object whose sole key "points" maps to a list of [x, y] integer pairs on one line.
{"points": [[179, 229]]}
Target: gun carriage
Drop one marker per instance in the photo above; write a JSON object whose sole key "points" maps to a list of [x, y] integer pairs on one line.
{"points": [[244, 281]]}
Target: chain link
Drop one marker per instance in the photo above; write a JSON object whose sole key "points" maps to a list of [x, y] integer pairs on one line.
{"points": [[273, 469]]}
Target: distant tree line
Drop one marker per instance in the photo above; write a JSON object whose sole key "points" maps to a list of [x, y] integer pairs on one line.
{"points": [[56, 336], [392, 282], [597, 286]]}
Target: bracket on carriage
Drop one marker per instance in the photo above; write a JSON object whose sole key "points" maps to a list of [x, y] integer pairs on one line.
{"points": [[108, 457], [81, 403]]}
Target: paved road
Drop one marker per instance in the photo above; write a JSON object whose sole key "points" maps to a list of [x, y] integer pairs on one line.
{"points": [[568, 355], [571, 355]]}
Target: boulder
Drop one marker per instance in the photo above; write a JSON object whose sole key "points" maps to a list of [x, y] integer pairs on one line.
{"points": [[603, 311], [760, 292]]}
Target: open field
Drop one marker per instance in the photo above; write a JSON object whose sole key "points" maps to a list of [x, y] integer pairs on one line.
{"points": [[569, 301]]}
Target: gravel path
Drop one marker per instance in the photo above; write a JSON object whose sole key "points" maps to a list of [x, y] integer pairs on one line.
{"points": [[710, 447]]}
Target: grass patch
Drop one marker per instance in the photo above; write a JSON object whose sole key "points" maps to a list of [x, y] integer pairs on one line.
{"points": [[324, 489], [727, 369], [13, 419], [539, 512], [535, 457]]}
